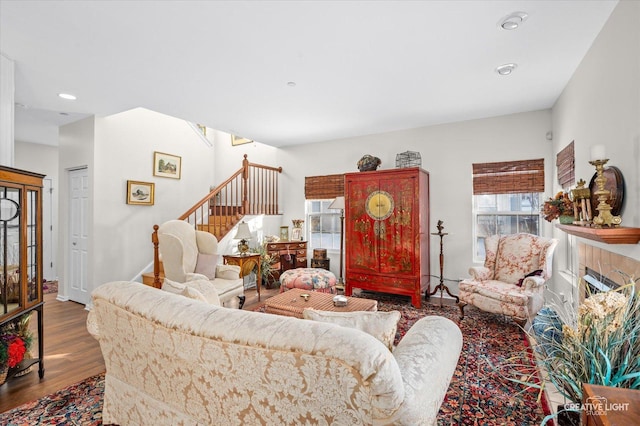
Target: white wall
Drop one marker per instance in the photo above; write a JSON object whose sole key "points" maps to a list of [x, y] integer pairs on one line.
{"points": [[75, 150], [120, 148], [44, 159], [447, 153], [601, 105], [124, 148]]}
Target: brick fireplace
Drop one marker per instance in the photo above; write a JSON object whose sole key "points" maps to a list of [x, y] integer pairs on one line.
{"points": [[604, 263]]}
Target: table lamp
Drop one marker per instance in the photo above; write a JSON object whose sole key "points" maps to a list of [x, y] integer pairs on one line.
{"points": [[243, 234]]}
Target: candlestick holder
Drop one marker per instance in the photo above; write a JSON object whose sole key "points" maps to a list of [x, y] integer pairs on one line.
{"points": [[441, 287], [604, 218]]}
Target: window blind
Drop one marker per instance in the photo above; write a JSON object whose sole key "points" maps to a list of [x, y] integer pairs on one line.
{"points": [[566, 163], [509, 177], [323, 187]]}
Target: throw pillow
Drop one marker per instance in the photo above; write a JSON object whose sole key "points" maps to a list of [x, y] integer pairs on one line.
{"points": [[206, 265], [381, 325], [192, 293], [228, 272], [206, 289], [537, 272], [172, 286], [193, 290]]}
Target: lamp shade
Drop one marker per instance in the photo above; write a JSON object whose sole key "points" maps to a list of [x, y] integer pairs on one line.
{"points": [[243, 232], [338, 203]]}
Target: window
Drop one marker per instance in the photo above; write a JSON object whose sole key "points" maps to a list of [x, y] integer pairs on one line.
{"points": [[506, 200], [323, 229], [323, 225], [504, 214]]}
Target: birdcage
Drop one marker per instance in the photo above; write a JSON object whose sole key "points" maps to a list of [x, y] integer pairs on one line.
{"points": [[408, 159]]}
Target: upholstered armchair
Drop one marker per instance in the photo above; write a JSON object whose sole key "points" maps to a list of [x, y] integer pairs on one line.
{"points": [[188, 255], [511, 282]]}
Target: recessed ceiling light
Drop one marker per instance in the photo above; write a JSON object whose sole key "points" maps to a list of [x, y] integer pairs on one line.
{"points": [[67, 96], [291, 83], [513, 20], [506, 69]]}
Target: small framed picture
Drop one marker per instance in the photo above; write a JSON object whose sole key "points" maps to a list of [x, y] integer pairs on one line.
{"points": [[238, 140], [140, 193], [284, 233], [296, 234], [167, 165]]}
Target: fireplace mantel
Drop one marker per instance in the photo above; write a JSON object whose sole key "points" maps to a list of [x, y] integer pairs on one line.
{"points": [[619, 235]]}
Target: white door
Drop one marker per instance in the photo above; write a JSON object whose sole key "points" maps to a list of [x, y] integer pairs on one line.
{"points": [[79, 235], [48, 271]]}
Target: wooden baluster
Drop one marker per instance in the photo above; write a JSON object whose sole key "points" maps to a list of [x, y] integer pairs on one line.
{"points": [[156, 258]]}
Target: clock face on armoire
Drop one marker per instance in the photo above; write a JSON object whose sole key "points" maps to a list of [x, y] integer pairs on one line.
{"points": [[379, 205]]}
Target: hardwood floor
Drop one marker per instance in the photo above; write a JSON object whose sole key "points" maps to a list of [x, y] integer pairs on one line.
{"points": [[71, 353]]}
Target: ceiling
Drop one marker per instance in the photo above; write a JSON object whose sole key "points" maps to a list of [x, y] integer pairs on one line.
{"points": [[291, 72]]}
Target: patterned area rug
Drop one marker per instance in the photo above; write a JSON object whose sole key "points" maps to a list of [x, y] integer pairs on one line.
{"points": [[49, 287], [478, 394], [79, 404]]}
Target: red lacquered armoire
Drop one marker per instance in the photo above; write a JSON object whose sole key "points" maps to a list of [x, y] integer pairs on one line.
{"points": [[387, 232]]}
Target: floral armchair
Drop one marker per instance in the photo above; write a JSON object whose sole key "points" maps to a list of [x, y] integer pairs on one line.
{"points": [[189, 255], [511, 282]]}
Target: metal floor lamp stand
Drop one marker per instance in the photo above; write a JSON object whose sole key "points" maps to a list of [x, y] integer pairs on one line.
{"points": [[442, 287]]}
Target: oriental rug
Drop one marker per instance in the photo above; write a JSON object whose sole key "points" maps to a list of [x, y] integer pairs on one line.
{"points": [[78, 404], [478, 394]]}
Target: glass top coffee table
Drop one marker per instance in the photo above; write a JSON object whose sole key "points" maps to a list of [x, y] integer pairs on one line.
{"points": [[291, 303]]}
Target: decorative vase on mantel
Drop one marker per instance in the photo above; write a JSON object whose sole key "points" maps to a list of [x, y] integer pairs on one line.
{"points": [[566, 219]]}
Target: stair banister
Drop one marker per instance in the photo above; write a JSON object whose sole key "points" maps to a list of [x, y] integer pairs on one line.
{"points": [[253, 189]]}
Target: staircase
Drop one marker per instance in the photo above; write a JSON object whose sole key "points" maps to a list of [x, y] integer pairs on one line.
{"points": [[252, 190]]}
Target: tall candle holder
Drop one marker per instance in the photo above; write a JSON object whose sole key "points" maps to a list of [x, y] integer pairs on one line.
{"points": [[604, 218], [441, 287]]}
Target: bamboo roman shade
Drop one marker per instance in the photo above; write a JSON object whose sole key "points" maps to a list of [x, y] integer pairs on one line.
{"points": [[566, 163], [509, 177], [323, 187]]}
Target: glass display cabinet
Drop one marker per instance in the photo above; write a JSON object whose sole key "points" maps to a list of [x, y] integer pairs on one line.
{"points": [[21, 262]]}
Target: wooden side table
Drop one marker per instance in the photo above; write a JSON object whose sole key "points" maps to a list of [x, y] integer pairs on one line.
{"points": [[247, 263]]}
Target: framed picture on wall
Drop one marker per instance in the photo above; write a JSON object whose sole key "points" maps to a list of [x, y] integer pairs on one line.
{"points": [[238, 140], [167, 165], [140, 193]]}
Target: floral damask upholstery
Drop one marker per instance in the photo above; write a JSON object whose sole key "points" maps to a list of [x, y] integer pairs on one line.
{"points": [[172, 360], [313, 279], [181, 246], [502, 286]]}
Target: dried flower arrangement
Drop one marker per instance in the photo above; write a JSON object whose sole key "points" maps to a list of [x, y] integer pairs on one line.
{"points": [[560, 205]]}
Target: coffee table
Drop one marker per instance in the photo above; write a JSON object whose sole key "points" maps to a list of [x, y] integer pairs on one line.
{"points": [[291, 304]]}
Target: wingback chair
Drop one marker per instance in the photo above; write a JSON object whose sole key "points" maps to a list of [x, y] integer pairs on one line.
{"points": [[511, 282], [188, 254]]}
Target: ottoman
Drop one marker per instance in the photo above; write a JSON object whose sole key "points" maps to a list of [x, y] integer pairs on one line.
{"points": [[312, 279]]}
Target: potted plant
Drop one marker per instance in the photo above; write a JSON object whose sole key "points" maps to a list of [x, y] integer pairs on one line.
{"points": [[15, 341], [599, 343], [267, 270]]}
